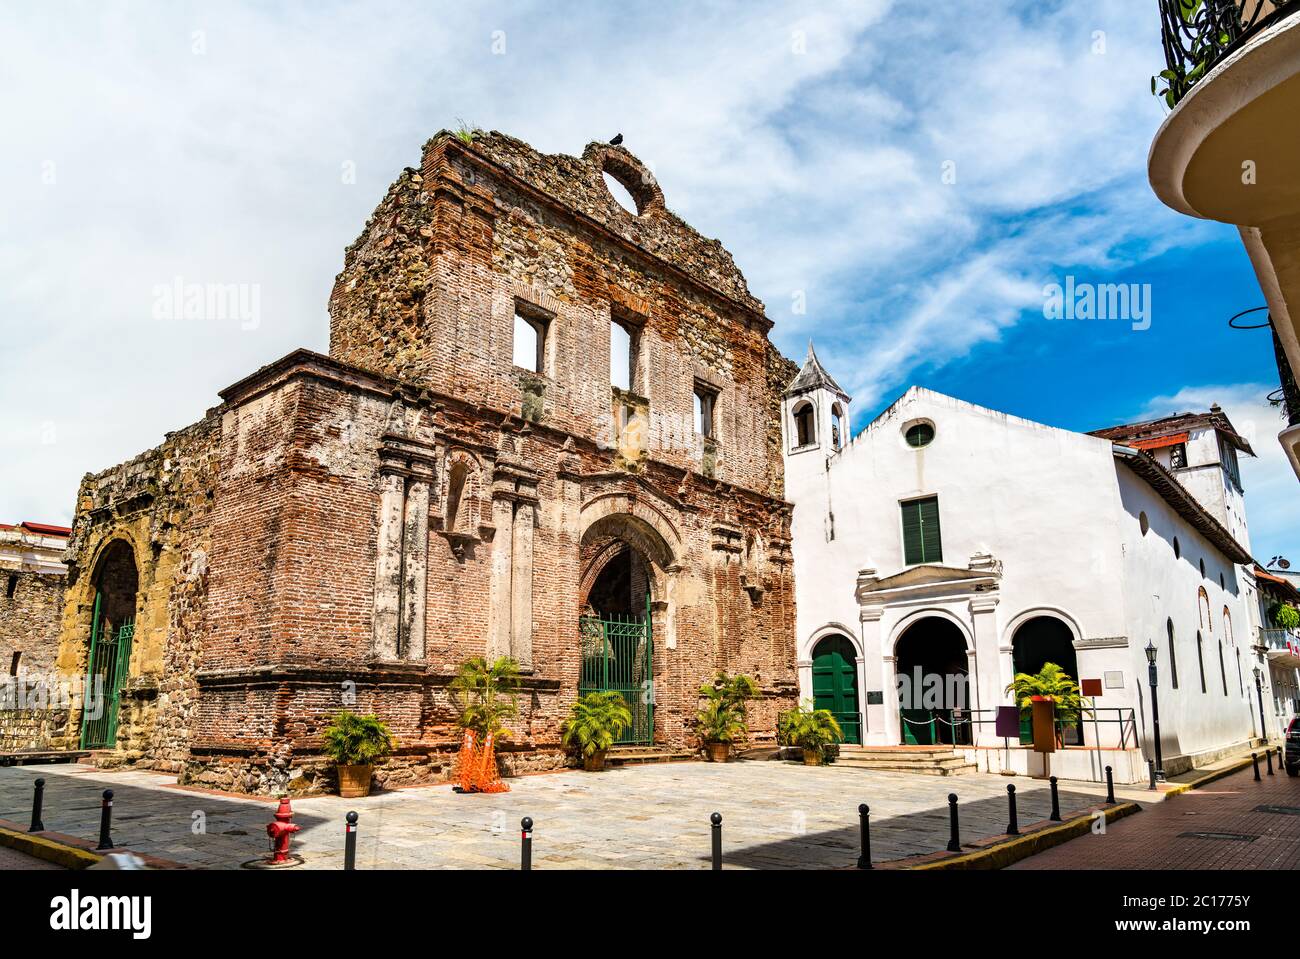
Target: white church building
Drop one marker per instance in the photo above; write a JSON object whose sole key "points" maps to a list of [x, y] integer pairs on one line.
{"points": [[952, 541]]}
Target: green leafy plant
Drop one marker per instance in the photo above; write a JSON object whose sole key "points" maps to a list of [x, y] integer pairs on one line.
{"points": [[466, 133], [1284, 615], [724, 717], [595, 721], [487, 694], [1173, 83], [352, 740], [1053, 682], [719, 723], [809, 728]]}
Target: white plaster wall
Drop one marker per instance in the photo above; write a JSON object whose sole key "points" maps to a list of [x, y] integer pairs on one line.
{"points": [[1160, 586]]}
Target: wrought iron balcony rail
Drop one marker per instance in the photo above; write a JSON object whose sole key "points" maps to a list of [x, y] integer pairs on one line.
{"points": [[1198, 34], [1281, 640]]}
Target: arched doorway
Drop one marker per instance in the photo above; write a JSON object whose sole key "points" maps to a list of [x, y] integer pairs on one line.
{"points": [[112, 631], [1036, 642], [933, 685], [835, 684], [623, 561]]}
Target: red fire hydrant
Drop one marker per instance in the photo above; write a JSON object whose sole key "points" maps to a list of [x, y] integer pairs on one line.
{"points": [[281, 831]]}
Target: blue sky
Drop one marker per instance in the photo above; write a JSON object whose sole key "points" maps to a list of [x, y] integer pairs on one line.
{"points": [[915, 178]]}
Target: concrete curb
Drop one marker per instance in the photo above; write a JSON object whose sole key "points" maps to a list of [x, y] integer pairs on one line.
{"points": [[38, 847], [1003, 853], [1233, 767]]}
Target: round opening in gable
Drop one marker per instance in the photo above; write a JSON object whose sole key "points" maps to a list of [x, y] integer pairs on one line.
{"points": [[621, 194], [919, 434], [1143, 522]]}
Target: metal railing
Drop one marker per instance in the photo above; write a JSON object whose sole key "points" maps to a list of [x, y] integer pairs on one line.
{"points": [[1198, 34], [1283, 640], [1072, 730]]}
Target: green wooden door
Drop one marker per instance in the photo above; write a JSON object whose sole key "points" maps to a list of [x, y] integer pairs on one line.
{"points": [[835, 684]]}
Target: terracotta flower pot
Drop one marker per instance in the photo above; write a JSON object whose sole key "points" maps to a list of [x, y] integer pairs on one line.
{"points": [[595, 762], [354, 781], [812, 757], [717, 752]]}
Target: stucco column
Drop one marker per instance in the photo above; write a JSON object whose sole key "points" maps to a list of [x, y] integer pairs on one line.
{"points": [[892, 720], [415, 565], [388, 565], [986, 670], [875, 716], [500, 612], [521, 586]]}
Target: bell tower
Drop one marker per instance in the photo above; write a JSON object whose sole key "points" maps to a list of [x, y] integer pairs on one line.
{"points": [[814, 413]]}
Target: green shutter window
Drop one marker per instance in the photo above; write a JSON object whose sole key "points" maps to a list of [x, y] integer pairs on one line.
{"points": [[921, 540]]}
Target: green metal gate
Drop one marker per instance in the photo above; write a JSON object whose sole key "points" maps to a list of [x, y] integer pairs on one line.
{"points": [[110, 656], [617, 654]]}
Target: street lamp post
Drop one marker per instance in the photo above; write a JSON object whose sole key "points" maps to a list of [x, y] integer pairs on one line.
{"points": [[1155, 708], [1259, 691]]}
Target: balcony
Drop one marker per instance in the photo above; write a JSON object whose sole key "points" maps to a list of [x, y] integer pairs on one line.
{"points": [[1199, 34], [1282, 645], [1230, 146]]}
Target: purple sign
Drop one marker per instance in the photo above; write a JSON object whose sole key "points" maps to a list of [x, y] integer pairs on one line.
{"points": [[1008, 722]]}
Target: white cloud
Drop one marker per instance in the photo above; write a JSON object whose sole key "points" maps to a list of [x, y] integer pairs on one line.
{"points": [[810, 141]]}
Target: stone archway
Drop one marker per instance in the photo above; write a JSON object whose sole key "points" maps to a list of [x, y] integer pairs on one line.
{"points": [[934, 688], [116, 584], [1040, 640], [623, 600]]}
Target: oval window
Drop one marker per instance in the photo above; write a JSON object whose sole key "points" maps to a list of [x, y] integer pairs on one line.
{"points": [[1143, 522], [919, 434]]}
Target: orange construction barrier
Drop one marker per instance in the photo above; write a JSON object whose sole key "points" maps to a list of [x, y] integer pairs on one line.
{"points": [[476, 766]]}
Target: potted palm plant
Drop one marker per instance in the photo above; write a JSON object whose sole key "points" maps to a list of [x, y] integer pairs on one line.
{"points": [[724, 719], [355, 743], [1051, 682], [487, 694], [812, 730], [595, 721]]}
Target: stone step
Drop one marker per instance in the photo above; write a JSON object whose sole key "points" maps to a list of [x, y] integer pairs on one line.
{"points": [[885, 755], [633, 755], [953, 766]]}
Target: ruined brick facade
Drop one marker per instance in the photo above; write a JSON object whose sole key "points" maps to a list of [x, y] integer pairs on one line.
{"points": [[345, 530], [32, 578]]}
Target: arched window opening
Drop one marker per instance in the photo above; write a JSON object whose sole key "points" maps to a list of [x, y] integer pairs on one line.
{"points": [[837, 427], [1173, 654], [805, 426]]}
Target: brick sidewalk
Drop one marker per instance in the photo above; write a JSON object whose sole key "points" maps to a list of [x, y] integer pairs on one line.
{"points": [[1240, 837]]}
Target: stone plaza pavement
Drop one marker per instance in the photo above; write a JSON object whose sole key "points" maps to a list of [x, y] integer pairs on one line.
{"points": [[775, 816]]}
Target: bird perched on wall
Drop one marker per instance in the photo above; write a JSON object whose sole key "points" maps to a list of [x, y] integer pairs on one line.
{"points": [[618, 138]]}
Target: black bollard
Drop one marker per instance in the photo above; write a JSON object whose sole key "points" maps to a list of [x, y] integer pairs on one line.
{"points": [[1254, 761], [1056, 801], [526, 844], [1110, 786], [106, 821], [716, 819], [1269, 756], [38, 800], [864, 820], [1151, 768], [1013, 821], [954, 837], [350, 842]]}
